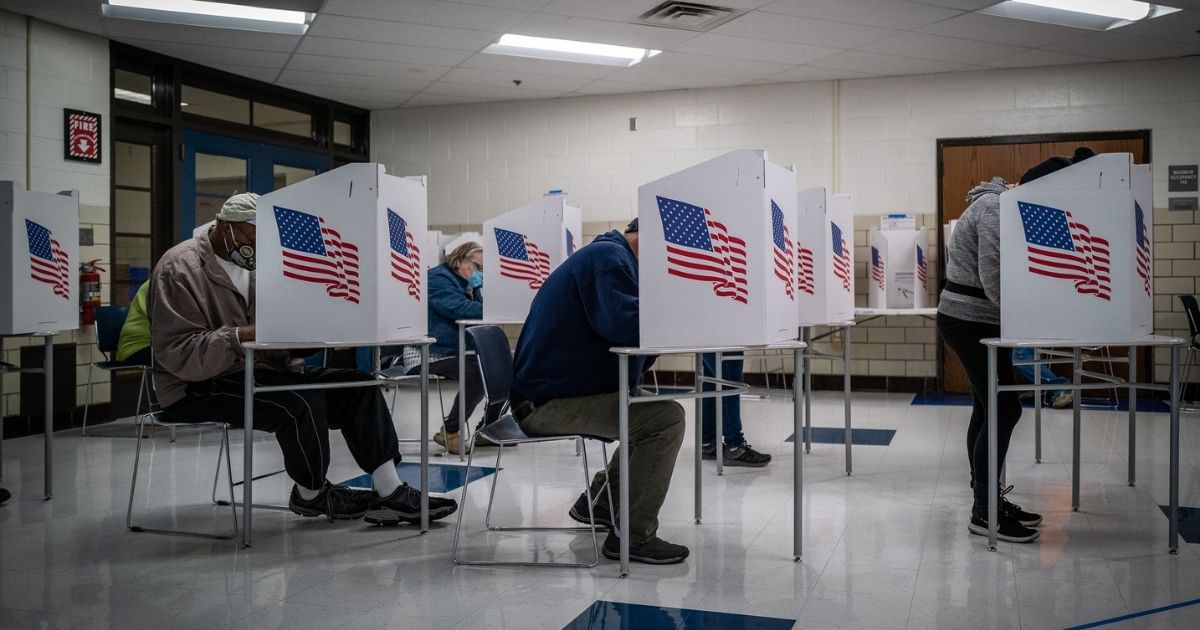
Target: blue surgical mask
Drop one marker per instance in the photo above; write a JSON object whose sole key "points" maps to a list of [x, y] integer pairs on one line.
{"points": [[476, 279]]}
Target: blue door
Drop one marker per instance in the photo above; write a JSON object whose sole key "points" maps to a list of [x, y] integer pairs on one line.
{"points": [[218, 167]]}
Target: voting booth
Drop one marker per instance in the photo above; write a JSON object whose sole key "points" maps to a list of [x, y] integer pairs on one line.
{"points": [[455, 240], [433, 247], [1076, 261], [716, 261], [39, 261], [898, 268], [520, 249], [340, 258], [825, 257]]}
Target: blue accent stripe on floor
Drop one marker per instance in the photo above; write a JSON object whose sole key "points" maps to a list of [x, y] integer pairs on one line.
{"points": [[1189, 523], [858, 437], [621, 616], [1152, 611], [442, 477], [1149, 405]]}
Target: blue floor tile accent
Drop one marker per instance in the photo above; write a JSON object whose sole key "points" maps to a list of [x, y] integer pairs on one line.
{"points": [[858, 437], [1149, 405], [619, 616], [1189, 523], [442, 477], [1143, 613]]}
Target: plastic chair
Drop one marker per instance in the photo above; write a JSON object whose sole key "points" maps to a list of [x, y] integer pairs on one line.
{"points": [[1192, 310], [109, 320], [495, 365]]}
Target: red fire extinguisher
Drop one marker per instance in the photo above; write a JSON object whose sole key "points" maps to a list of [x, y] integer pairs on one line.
{"points": [[89, 291]]}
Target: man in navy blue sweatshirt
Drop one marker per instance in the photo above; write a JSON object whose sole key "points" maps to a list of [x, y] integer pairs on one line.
{"points": [[565, 382]]}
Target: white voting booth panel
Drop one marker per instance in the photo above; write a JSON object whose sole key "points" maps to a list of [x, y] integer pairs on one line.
{"points": [[520, 249], [825, 257], [459, 239], [433, 245], [716, 254], [898, 269], [340, 258], [39, 261], [1075, 253]]}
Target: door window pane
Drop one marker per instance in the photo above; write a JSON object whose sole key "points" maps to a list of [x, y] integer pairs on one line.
{"points": [[214, 105], [131, 267], [343, 133], [132, 167], [132, 212], [283, 120], [288, 175], [132, 87], [218, 177]]}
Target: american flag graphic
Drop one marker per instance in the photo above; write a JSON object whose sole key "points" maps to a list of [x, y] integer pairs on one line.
{"points": [[699, 248], [315, 253], [841, 257], [1060, 247], [782, 248], [521, 259], [804, 265], [48, 262], [922, 270], [877, 266], [1143, 247], [570, 242], [406, 256]]}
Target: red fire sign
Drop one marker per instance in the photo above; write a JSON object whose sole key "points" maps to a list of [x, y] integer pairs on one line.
{"points": [[81, 134]]}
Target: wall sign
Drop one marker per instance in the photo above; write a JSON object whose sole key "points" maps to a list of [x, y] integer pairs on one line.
{"points": [[1184, 204], [1181, 178], [81, 136]]}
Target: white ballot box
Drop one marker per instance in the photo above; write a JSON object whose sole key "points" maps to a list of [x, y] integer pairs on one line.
{"points": [[716, 254], [1076, 260], [39, 261], [825, 257], [897, 273], [520, 249], [340, 260]]}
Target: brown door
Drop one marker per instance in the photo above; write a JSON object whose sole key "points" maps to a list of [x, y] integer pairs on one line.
{"points": [[962, 164]]}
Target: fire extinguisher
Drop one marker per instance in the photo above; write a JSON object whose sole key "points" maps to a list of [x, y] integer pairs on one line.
{"points": [[89, 291]]}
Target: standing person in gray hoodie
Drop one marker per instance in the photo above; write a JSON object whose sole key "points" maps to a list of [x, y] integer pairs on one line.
{"points": [[969, 311]]}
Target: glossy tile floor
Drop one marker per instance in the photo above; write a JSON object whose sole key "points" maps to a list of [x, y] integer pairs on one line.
{"points": [[886, 548]]}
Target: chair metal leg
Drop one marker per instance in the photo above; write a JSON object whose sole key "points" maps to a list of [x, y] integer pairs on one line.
{"points": [[88, 402], [487, 519], [462, 507]]}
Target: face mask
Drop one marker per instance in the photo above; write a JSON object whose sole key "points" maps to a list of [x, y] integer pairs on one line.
{"points": [[476, 279], [241, 255]]}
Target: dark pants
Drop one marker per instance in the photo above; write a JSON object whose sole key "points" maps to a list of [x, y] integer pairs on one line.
{"points": [[301, 420], [963, 338], [473, 388], [731, 406]]}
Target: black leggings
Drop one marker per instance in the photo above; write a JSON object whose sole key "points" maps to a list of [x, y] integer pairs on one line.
{"points": [[448, 368], [963, 338]]}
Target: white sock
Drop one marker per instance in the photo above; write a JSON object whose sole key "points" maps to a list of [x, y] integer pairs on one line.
{"points": [[385, 480], [305, 493]]}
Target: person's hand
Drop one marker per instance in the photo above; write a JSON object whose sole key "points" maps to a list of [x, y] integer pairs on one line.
{"points": [[246, 333]]}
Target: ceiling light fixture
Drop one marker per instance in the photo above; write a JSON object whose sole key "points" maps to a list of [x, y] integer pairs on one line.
{"points": [[1098, 15], [210, 14], [568, 50]]}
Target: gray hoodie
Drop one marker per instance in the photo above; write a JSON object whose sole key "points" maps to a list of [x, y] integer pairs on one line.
{"points": [[974, 258]]}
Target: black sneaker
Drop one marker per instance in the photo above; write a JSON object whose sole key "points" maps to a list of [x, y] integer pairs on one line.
{"points": [[1009, 530], [708, 450], [652, 551], [1010, 509], [579, 511], [404, 506], [746, 456], [335, 502]]}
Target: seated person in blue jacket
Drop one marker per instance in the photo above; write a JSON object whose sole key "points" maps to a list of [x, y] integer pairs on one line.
{"points": [[1059, 399], [736, 451], [565, 382]]}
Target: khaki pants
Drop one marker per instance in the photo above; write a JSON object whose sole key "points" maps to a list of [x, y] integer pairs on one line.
{"points": [[655, 435]]}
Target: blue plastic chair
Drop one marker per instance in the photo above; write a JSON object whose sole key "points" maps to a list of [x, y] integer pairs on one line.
{"points": [[109, 320]]}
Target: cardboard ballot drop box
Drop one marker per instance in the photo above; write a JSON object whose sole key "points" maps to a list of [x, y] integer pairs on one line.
{"points": [[716, 260], [340, 258], [39, 261], [520, 249], [898, 268], [1076, 260], [825, 257]]}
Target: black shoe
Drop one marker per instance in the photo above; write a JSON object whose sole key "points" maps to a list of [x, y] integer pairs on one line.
{"points": [[1009, 530], [404, 506], [653, 551], [579, 511], [746, 456], [335, 502], [1010, 509], [708, 450]]}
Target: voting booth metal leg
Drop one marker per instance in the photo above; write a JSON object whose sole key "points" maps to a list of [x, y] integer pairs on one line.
{"points": [[1076, 426], [719, 435], [1037, 407], [846, 396], [623, 457], [48, 438], [1132, 416], [425, 436], [699, 435], [248, 448], [798, 463], [1173, 535], [993, 465], [806, 384], [462, 391]]}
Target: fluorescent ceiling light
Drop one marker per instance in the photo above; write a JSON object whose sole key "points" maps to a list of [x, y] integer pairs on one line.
{"points": [[210, 14], [568, 50], [1099, 15]]}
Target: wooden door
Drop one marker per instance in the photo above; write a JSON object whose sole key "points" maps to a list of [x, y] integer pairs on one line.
{"points": [[964, 163]]}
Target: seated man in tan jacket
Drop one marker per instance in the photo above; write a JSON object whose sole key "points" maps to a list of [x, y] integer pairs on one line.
{"points": [[201, 309]]}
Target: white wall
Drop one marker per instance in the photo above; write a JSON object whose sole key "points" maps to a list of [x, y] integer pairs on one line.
{"points": [[485, 159]]}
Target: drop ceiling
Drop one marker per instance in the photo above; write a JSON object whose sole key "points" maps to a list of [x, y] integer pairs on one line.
{"points": [[382, 54]]}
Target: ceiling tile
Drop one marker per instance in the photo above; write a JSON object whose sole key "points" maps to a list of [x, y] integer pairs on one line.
{"points": [[439, 13], [998, 30], [809, 73], [210, 55], [789, 28], [528, 81], [400, 33], [266, 75], [426, 100], [353, 96], [336, 80], [329, 47], [936, 47], [668, 79], [1040, 57], [965, 5], [365, 67], [876, 63], [611, 10], [882, 13], [515, 66], [1183, 27], [757, 49], [583, 29], [181, 34], [615, 87], [489, 92], [1114, 45], [705, 64], [524, 5]]}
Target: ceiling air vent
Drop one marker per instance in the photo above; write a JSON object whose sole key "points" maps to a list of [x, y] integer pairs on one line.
{"points": [[688, 16]]}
